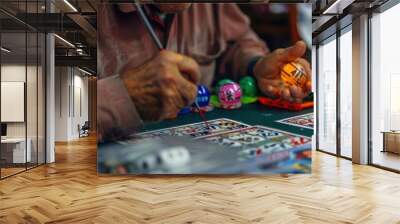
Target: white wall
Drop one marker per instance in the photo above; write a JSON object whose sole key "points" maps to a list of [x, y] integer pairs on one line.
{"points": [[10, 73], [71, 94], [80, 111], [61, 103], [13, 101], [33, 127], [16, 73]]}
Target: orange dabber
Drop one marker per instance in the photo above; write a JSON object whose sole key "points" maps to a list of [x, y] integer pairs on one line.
{"points": [[292, 74]]}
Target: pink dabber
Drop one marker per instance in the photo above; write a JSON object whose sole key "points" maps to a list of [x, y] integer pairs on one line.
{"points": [[230, 96]]}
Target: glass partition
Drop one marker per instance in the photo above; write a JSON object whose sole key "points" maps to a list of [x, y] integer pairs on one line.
{"points": [[22, 77], [41, 97], [14, 151], [31, 97]]}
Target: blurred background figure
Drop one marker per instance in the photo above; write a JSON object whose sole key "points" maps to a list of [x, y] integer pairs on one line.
{"points": [[281, 25]]}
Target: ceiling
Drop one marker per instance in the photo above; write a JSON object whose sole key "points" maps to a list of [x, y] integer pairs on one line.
{"points": [[72, 20], [330, 15]]}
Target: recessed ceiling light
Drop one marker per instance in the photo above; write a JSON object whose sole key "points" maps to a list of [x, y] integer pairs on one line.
{"points": [[5, 50], [84, 71], [70, 5], [337, 7], [64, 40]]}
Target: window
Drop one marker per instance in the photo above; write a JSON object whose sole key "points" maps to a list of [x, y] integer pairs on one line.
{"points": [[326, 104], [385, 86], [346, 93]]}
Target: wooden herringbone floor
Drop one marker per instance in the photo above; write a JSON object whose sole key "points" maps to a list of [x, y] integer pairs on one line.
{"points": [[70, 191]]}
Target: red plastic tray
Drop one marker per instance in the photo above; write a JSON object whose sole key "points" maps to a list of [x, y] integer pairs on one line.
{"points": [[279, 103]]}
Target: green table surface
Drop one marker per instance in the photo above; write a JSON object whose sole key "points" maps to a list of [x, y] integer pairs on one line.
{"points": [[251, 114]]}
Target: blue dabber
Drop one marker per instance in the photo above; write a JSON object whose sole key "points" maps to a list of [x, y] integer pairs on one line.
{"points": [[157, 42]]}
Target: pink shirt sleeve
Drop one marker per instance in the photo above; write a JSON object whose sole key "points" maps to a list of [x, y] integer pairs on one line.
{"points": [[243, 42], [117, 115]]}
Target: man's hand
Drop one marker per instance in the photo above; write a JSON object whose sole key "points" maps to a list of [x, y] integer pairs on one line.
{"points": [[164, 85], [267, 71]]}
